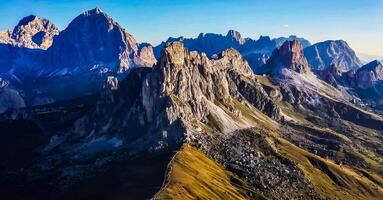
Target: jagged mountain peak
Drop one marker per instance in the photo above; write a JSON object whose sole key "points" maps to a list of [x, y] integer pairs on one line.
{"points": [[34, 32], [235, 35], [369, 74], [94, 38], [263, 38], [337, 42], [231, 53], [289, 56], [174, 52], [323, 54], [94, 16], [370, 66], [26, 20], [93, 11]]}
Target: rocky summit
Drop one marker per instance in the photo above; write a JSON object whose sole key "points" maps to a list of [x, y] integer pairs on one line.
{"points": [[31, 32], [369, 74], [90, 113], [324, 54], [93, 38], [288, 56]]}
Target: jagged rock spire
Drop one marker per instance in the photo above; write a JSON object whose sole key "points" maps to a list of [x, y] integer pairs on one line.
{"points": [[235, 35], [289, 56]]}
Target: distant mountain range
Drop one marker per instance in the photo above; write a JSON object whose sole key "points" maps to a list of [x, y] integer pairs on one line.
{"points": [[256, 52], [79, 59], [36, 65]]}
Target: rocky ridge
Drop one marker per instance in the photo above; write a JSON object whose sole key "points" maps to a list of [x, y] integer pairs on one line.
{"points": [[34, 32], [31, 32], [188, 91], [256, 52], [370, 74]]}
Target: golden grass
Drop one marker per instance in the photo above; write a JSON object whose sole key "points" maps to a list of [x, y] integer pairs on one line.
{"points": [[330, 180], [192, 175], [264, 80], [288, 110]]}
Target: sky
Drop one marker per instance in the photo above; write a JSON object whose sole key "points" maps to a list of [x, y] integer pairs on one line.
{"points": [[359, 22]]}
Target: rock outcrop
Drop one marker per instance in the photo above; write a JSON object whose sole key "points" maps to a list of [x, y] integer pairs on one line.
{"points": [[331, 75], [34, 32], [236, 36], [369, 75], [5, 36], [186, 91], [324, 54], [31, 32], [288, 56]]}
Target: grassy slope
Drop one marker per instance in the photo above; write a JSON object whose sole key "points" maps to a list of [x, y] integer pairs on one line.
{"points": [[192, 175], [331, 180]]}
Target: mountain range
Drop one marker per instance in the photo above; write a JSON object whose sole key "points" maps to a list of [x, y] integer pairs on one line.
{"points": [[79, 59], [90, 113]]}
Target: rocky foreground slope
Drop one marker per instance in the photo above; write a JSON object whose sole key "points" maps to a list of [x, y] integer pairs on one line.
{"points": [[285, 135]]}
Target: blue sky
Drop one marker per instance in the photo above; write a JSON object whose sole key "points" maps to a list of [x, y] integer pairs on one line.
{"points": [[359, 22]]}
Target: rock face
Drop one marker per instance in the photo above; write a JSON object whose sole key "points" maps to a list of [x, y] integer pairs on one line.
{"points": [[31, 32], [236, 36], [34, 32], [331, 75], [288, 56], [93, 38], [5, 36], [186, 91], [322, 55], [207, 81], [369, 75]]}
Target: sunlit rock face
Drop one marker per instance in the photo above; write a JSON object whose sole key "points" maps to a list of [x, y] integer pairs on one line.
{"points": [[34, 32], [288, 56], [31, 32]]}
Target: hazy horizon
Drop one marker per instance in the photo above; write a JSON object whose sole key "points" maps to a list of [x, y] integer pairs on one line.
{"points": [[151, 21]]}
